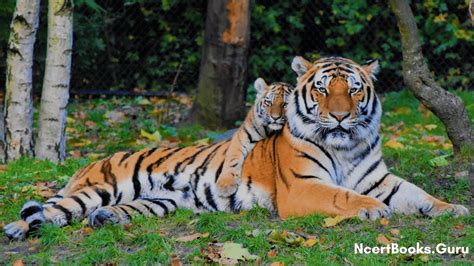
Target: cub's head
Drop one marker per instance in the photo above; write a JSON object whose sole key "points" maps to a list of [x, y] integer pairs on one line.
{"points": [[334, 101], [271, 102]]}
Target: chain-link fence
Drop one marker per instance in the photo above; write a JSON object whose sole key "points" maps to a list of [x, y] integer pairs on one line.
{"points": [[156, 45]]}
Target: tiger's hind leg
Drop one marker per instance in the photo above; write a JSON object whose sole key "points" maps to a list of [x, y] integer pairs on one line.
{"points": [[122, 213], [58, 210]]}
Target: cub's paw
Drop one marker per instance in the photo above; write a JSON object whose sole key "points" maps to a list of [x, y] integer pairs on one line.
{"points": [[16, 230], [455, 209], [227, 184], [106, 215], [374, 213]]}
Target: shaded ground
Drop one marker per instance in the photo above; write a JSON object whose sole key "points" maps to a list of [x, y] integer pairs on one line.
{"points": [[416, 148]]}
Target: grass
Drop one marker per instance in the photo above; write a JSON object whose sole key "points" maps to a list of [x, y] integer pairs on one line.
{"points": [[151, 240]]}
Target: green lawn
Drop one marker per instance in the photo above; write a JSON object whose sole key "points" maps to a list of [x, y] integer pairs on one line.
{"points": [[416, 148]]}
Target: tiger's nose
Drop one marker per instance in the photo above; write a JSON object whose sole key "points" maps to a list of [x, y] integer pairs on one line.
{"points": [[275, 116], [340, 116]]}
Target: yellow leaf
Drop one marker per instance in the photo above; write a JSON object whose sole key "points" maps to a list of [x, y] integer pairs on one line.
{"points": [[384, 221], [205, 141], [205, 235], [332, 221], [431, 126], [401, 111], [155, 137], [310, 242], [395, 232], [70, 120], [381, 239], [424, 257], [392, 143]]}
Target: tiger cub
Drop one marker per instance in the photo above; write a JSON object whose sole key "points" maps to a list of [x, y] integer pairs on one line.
{"points": [[267, 115]]}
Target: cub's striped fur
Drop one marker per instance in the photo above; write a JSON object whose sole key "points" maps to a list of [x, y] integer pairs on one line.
{"points": [[267, 116], [327, 159]]}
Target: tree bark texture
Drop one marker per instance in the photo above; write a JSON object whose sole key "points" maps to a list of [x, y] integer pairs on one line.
{"points": [[223, 72], [51, 142], [18, 93], [447, 107]]}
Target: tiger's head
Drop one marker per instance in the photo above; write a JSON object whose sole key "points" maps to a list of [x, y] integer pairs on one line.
{"points": [[334, 101], [271, 103]]}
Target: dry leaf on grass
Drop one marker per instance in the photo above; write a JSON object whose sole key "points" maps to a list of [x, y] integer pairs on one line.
{"points": [[384, 221], [192, 237], [382, 239], [332, 221]]}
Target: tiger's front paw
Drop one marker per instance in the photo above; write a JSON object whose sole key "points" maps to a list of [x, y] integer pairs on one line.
{"points": [[373, 209], [227, 184], [16, 230], [455, 209], [105, 215]]}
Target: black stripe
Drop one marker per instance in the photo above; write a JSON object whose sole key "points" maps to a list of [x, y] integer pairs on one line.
{"points": [[202, 169], [104, 195], [136, 182], [169, 184], [65, 211], [249, 183], [190, 158], [219, 170], [389, 197], [305, 119], [307, 156], [30, 211], [325, 152], [233, 204], [157, 163], [375, 185], [125, 211], [168, 200], [249, 136], [133, 208], [125, 156], [86, 194], [119, 198], [81, 203], [305, 92], [163, 206], [209, 197], [303, 176], [368, 171], [150, 209], [109, 177]]}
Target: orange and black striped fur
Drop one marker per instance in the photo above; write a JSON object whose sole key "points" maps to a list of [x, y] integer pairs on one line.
{"points": [[327, 159], [267, 116]]}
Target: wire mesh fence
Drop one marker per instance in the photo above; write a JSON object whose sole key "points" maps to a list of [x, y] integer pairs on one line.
{"points": [[144, 45]]}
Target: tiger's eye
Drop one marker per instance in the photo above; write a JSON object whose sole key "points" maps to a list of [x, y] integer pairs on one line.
{"points": [[322, 90], [353, 90]]}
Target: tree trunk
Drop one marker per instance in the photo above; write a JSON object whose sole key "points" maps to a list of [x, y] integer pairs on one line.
{"points": [[447, 107], [223, 72], [51, 143], [18, 95]]}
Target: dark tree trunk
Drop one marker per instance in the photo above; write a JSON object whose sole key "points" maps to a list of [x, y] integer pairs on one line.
{"points": [[448, 107], [223, 73]]}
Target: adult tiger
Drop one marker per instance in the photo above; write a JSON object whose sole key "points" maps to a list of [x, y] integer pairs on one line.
{"points": [[327, 159]]}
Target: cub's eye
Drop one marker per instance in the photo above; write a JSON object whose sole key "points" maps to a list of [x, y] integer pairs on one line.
{"points": [[285, 105], [353, 90], [322, 90]]}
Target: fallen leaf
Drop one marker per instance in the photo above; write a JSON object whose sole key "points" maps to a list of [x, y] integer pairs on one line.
{"points": [[285, 237], [310, 242], [384, 221], [459, 226], [192, 237], [392, 143], [154, 137], [235, 251], [175, 261], [332, 221], [205, 141], [434, 139], [431, 126], [401, 111], [18, 262], [277, 263], [395, 232], [461, 175], [439, 161], [272, 253], [127, 227], [86, 231], [90, 124], [396, 127], [381, 239], [115, 116], [424, 257]]}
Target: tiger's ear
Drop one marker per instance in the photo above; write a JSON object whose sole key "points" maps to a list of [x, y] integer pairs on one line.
{"points": [[300, 65], [372, 67], [260, 85]]}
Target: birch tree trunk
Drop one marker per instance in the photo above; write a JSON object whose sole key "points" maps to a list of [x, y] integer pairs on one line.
{"points": [[18, 93], [223, 72], [51, 142], [448, 107]]}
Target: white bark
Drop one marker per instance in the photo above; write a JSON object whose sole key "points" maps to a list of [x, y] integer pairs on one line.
{"points": [[18, 96], [51, 143]]}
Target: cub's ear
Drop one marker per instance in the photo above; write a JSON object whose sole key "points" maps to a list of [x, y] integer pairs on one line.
{"points": [[372, 67], [260, 85], [300, 65]]}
